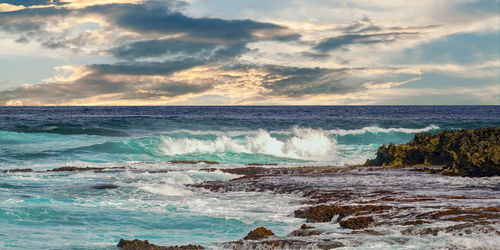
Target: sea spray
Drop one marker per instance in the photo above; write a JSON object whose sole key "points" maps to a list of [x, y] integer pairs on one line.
{"points": [[303, 143]]}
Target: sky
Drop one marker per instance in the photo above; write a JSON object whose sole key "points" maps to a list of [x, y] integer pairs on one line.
{"points": [[249, 52]]}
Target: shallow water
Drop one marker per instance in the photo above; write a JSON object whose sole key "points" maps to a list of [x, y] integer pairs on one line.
{"points": [[63, 210]]}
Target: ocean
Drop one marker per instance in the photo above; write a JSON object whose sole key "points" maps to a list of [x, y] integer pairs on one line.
{"points": [[54, 210]]}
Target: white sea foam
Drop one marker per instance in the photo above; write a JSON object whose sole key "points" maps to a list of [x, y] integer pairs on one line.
{"points": [[375, 130], [305, 143], [340, 132]]}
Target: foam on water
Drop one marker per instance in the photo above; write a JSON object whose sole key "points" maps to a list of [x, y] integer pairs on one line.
{"points": [[376, 129], [304, 144]]}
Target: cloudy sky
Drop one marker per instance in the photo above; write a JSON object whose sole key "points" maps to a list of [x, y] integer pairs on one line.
{"points": [[249, 52]]}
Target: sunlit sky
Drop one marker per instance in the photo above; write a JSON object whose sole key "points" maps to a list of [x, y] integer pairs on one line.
{"points": [[249, 52]]}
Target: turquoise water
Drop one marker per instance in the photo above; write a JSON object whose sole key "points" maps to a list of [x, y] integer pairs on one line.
{"points": [[63, 210]]}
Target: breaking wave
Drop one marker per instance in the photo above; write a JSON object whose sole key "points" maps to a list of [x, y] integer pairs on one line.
{"points": [[304, 144]]}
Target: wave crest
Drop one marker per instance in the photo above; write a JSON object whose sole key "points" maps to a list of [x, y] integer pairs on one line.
{"points": [[304, 144], [375, 130]]}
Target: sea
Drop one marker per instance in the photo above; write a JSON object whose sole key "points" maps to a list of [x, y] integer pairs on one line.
{"points": [[64, 210]]}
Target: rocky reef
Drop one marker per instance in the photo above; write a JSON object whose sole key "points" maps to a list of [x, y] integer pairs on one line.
{"points": [[474, 153], [373, 202]]}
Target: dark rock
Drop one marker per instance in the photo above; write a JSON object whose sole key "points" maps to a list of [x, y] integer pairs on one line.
{"points": [[305, 230], [473, 153], [193, 162], [105, 186], [421, 231], [325, 213], [367, 231], [259, 233], [76, 169], [330, 245], [18, 170], [145, 245], [72, 169], [280, 243], [137, 244], [262, 164], [357, 222]]}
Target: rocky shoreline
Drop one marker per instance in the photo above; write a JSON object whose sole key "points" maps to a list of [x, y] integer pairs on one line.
{"points": [[474, 153], [376, 210], [405, 191]]}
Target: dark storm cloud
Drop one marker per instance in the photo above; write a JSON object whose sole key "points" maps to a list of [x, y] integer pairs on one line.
{"points": [[156, 48], [161, 19], [363, 39]]}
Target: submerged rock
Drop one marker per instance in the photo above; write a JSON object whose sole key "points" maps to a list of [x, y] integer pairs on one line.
{"points": [[262, 164], [105, 186], [194, 162], [145, 245], [474, 153], [72, 169], [259, 233], [18, 170]]}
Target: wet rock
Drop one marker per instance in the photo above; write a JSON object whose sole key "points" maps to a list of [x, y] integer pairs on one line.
{"points": [[280, 243], [76, 169], [477, 214], [105, 186], [325, 213], [72, 169], [367, 231], [357, 222], [248, 171], [259, 233], [137, 244], [330, 245], [194, 162], [421, 231], [262, 164], [145, 245], [474, 153], [305, 230], [18, 170]]}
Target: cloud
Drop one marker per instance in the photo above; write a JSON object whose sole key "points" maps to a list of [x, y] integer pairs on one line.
{"points": [[204, 51], [365, 32], [161, 19], [160, 47], [364, 39], [171, 80], [156, 52], [100, 87]]}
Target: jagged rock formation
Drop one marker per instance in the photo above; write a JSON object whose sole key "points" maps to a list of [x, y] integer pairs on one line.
{"points": [[474, 153]]}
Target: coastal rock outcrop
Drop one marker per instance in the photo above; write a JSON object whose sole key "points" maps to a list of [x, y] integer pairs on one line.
{"points": [[259, 233], [145, 245], [474, 153]]}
